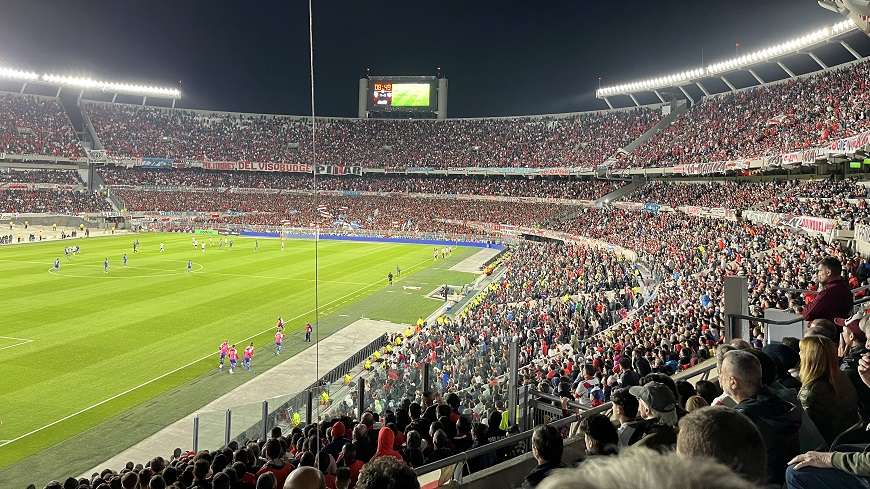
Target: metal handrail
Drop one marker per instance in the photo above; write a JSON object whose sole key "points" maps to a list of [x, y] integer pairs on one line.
{"points": [[505, 442], [526, 435]]}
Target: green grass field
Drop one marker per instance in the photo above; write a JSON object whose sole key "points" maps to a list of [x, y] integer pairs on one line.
{"points": [[411, 94], [85, 352]]}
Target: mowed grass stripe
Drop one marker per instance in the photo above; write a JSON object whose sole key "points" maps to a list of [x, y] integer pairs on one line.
{"points": [[88, 350]]}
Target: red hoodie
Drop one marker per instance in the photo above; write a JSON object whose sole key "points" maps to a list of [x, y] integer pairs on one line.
{"points": [[386, 438]]}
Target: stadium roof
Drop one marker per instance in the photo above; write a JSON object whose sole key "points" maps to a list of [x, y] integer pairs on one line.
{"points": [[798, 45]]}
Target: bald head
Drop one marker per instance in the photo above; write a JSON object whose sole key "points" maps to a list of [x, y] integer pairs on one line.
{"points": [[304, 478]]}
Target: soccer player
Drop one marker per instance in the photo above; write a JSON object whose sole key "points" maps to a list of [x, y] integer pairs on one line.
{"points": [[279, 326], [256, 244], [248, 356], [189, 266], [279, 338], [106, 265], [398, 271], [308, 330], [203, 247], [195, 244], [282, 245], [222, 352], [390, 278], [57, 264], [234, 356], [162, 247], [124, 258]]}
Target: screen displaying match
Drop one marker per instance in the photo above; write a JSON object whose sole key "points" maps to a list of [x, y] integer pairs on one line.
{"points": [[389, 94]]}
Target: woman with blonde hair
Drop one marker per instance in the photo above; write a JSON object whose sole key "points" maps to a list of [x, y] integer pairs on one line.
{"points": [[826, 393]]}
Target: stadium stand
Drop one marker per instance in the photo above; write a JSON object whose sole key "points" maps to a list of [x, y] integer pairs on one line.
{"points": [[549, 141], [497, 186], [34, 125], [61, 177], [65, 202], [772, 119]]}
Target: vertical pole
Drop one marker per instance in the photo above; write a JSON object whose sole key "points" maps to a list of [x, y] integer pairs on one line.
{"points": [[513, 376], [736, 302], [196, 433], [229, 427], [309, 407], [426, 371], [361, 396], [265, 420]]}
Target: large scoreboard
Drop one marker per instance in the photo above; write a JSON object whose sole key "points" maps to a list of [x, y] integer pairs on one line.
{"points": [[400, 96]]}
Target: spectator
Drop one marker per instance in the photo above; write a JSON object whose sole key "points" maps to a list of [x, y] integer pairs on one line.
{"points": [[709, 391], [777, 420], [305, 478], [853, 342], [826, 393], [547, 451], [835, 299], [601, 435], [656, 405], [441, 447], [275, 463], [387, 473], [695, 402], [413, 451], [726, 436], [643, 468], [631, 427], [629, 377]]}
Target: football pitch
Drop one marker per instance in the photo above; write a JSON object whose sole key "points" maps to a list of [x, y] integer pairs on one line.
{"points": [[81, 347]]}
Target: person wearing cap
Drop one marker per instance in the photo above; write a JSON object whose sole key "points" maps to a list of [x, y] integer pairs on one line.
{"points": [[853, 346], [337, 439], [779, 421], [657, 405], [835, 299]]}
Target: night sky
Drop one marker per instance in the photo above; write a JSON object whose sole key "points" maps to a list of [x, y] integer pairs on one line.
{"points": [[501, 57]]}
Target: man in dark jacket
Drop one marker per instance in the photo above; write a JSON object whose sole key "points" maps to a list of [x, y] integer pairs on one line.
{"points": [[778, 421], [852, 344], [835, 299], [547, 449]]}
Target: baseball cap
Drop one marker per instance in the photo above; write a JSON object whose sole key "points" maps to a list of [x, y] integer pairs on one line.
{"points": [[656, 395]]}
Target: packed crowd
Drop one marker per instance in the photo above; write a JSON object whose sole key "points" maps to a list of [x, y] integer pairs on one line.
{"points": [[62, 177], [499, 186], [51, 201], [770, 120], [36, 126], [550, 295], [582, 140], [366, 212], [727, 194]]}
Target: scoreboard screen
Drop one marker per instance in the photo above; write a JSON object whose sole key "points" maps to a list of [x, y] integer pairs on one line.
{"points": [[417, 93]]}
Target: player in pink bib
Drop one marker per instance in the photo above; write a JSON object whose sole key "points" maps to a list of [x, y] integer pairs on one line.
{"points": [[234, 356], [279, 338], [248, 356], [222, 351]]}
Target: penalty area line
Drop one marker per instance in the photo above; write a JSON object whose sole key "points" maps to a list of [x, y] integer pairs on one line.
{"points": [[194, 362]]}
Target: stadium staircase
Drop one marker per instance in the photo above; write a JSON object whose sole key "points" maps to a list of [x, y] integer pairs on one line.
{"points": [[83, 128], [678, 107]]}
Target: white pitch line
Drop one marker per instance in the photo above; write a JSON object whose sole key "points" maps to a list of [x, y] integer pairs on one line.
{"points": [[16, 344], [206, 357]]}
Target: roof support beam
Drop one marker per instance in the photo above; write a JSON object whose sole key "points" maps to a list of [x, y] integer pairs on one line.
{"points": [[725, 80], [706, 93], [755, 75], [817, 60], [659, 96], [785, 69], [849, 48], [686, 94], [633, 99], [608, 103], [23, 87]]}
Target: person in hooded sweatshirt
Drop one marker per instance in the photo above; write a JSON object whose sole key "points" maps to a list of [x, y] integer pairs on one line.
{"points": [[386, 439], [337, 439], [779, 421]]}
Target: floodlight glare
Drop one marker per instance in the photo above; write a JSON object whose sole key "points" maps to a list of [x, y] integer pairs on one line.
{"points": [[743, 61], [17, 74]]}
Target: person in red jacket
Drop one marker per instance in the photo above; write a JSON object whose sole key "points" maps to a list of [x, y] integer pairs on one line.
{"points": [[386, 438], [835, 298]]}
